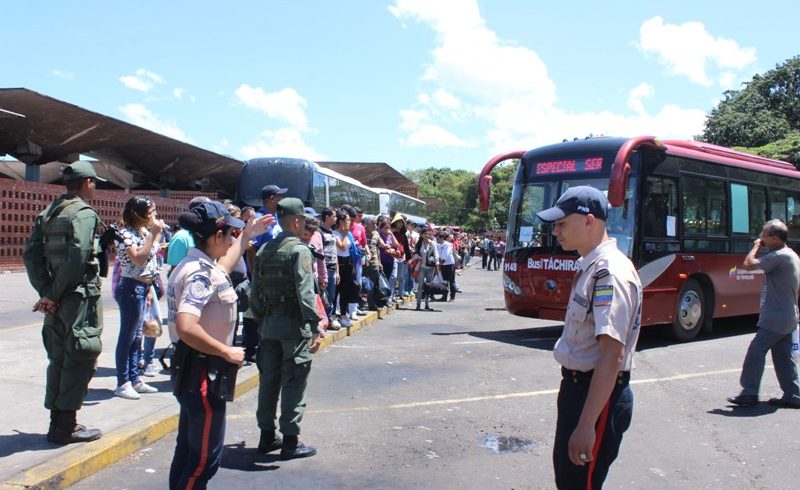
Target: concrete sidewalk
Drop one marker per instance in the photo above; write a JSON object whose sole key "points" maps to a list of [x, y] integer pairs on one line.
{"points": [[27, 460]]}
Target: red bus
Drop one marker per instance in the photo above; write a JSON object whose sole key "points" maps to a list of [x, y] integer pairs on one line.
{"points": [[685, 212]]}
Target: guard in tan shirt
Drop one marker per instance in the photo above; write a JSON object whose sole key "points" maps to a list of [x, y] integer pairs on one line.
{"points": [[202, 315], [601, 328]]}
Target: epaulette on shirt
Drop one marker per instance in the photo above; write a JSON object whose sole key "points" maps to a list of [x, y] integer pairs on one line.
{"points": [[600, 273], [205, 262]]}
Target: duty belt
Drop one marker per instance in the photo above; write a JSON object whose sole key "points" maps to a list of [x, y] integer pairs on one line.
{"points": [[623, 377]]}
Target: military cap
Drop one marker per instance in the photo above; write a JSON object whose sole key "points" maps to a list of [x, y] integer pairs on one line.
{"points": [[80, 170], [290, 206]]}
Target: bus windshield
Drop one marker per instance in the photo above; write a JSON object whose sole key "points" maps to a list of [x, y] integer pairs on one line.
{"points": [[528, 231]]}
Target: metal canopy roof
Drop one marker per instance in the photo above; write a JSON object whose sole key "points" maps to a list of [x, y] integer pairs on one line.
{"points": [[40, 129]]}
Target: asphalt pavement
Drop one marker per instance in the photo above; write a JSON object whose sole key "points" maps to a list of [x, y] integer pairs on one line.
{"points": [[27, 460], [464, 397]]}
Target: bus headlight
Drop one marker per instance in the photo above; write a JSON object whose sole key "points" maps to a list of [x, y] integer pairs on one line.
{"points": [[509, 286]]}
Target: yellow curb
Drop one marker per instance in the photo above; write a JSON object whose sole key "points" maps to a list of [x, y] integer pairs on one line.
{"points": [[67, 469]]}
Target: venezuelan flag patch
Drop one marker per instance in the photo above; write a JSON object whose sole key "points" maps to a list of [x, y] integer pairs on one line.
{"points": [[603, 295]]}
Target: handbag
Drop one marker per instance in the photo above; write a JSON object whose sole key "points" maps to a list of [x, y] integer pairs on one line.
{"points": [[413, 266], [430, 260], [158, 285], [384, 290]]}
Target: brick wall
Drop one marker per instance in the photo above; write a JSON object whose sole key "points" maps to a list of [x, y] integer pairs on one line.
{"points": [[22, 201]]}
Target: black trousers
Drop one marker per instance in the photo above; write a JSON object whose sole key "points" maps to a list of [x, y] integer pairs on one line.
{"points": [[250, 336], [614, 420], [449, 274]]}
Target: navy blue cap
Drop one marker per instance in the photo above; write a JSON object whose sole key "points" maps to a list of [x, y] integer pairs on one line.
{"points": [[581, 199], [271, 190], [213, 213]]}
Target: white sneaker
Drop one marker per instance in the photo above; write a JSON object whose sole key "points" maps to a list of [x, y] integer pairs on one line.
{"points": [[354, 316], [345, 322], [150, 371], [361, 313], [335, 324], [143, 387], [127, 391]]}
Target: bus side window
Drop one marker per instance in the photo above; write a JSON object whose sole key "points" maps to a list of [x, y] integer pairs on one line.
{"points": [[660, 206], [757, 199], [793, 214]]}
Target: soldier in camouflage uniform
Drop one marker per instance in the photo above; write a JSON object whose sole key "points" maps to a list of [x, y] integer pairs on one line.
{"points": [[284, 302], [62, 265]]}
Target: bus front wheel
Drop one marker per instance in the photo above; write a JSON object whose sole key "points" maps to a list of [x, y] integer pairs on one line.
{"points": [[690, 313]]}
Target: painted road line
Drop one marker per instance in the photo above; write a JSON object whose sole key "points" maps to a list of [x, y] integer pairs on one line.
{"points": [[39, 324], [508, 396]]}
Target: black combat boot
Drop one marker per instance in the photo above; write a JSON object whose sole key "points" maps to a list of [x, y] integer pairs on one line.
{"points": [[269, 442], [51, 429], [293, 449], [67, 430]]}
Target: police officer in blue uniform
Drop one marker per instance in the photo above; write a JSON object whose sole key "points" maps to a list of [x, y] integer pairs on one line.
{"points": [[601, 328]]}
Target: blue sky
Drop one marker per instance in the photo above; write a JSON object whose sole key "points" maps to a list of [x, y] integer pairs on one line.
{"points": [[414, 83]]}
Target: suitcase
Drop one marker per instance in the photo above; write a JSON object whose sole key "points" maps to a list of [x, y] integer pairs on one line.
{"points": [[432, 289]]}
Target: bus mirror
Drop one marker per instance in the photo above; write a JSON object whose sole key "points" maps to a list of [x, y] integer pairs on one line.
{"points": [[621, 169], [485, 180], [618, 183], [484, 189]]}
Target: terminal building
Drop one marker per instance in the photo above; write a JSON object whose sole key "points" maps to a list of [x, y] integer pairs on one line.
{"points": [[40, 135]]}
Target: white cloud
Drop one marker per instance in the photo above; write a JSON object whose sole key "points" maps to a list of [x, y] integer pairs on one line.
{"points": [[420, 132], [640, 92], [471, 66], [285, 105], [689, 49], [446, 100], [143, 80], [285, 142], [727, 80], [140, 115], [179, 94], [66, 75]]}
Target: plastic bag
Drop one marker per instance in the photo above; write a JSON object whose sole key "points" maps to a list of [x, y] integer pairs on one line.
{"points": [[152, 324]]}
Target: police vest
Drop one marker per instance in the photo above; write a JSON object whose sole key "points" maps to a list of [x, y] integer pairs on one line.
{"points": [[278, 289], [57, 232]]}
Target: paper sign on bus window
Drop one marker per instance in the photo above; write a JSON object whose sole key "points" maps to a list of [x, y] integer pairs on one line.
{"points": [[670, 225], [525, 233]]}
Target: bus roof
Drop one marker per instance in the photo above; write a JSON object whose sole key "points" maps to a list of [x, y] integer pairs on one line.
{"points": [[381, 190], [305, 163], [685, 148]]}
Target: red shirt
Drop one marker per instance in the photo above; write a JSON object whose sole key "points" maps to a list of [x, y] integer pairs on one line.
{"points": [[359, 234]]}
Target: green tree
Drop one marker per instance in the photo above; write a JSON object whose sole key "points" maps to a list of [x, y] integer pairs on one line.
{"points": [[763, 117], [458, 189]]}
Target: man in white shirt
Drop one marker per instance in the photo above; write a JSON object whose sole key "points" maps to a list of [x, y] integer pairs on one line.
{"points": [[448, 262]]}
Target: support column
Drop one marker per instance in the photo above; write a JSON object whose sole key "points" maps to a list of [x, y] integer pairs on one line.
{"points": [[32, 173]]}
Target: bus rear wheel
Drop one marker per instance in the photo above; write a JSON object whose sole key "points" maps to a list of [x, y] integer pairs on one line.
{"points": [[690, 313]]}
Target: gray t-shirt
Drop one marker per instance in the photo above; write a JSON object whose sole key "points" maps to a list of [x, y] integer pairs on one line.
{"points": [[779, 295]]}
